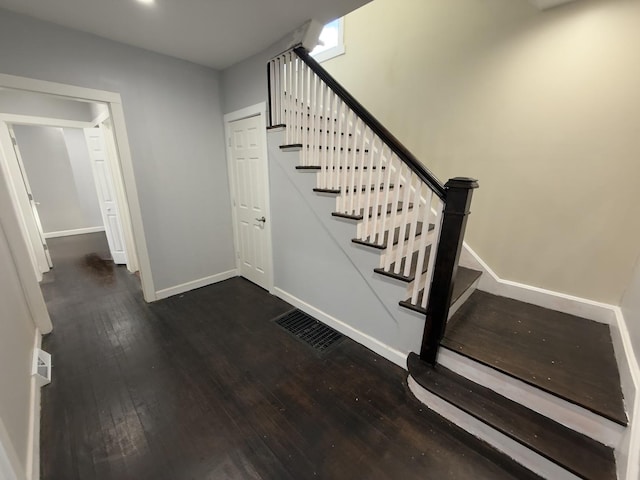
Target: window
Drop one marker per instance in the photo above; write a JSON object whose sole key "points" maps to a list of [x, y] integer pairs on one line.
{"points": [[331, 41]]}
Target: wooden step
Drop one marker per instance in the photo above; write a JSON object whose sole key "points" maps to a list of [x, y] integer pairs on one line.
{"points": [[564, 355], [413, 268], [341, 167], [575, 452], [355, 189], [465, 278], [379, 209], [396, 234], [295, 147], [324, 132]]}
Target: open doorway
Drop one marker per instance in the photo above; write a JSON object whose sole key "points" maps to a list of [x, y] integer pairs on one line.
{"points": [[69, 183], [106, 140]]}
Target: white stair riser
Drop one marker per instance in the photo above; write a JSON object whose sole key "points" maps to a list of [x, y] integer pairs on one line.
{"points": [[521, 454], [557, 409]]}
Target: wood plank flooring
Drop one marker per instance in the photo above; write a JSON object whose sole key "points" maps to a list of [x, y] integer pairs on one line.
{"points": [[565, 355], [204, 386]]}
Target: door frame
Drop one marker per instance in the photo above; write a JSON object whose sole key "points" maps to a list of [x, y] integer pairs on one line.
{"points": [[10, 468], [121, 168], [257, 110], [32, 203]]}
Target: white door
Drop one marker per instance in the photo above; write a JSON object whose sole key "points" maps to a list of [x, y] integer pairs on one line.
{"points": [[250, 182], [32, 201], [106, 193]]}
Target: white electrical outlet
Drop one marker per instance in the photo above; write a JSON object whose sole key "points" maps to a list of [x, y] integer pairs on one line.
{"points": [[41, 368]]}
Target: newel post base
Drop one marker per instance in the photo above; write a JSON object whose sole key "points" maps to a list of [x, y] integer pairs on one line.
{"points": [[454, 221]]}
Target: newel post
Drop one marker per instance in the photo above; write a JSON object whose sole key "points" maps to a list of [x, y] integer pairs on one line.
{"points": [[454, 222]]}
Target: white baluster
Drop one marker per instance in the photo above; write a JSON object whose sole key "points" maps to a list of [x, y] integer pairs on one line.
{"points": [[356, 168], [406, 183], [396, 165], [346, 159], [376, 234], [368, 201], [323, 138], [437, 220], [290, 92], [425, 214], [413, 229]]}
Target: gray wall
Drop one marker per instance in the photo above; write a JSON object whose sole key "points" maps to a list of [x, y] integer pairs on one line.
{"points": [[54, 181], [78, 151], [315, 260], [175, 128], [17, 335], [27, 103], [245, 83], [631, 309]]}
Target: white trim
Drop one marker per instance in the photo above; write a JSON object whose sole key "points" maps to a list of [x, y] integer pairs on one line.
{"points": [[362, 338], [77, 231], [597, 311], [521, 454], [33, 442], [10, 468], [259, 109], [19, 199], [566, 413], [136, 245], [44, 121], [246, 112], [562, 302], [192, 285], [633, 391], [53, 88], [100, 118], [20, 246]]}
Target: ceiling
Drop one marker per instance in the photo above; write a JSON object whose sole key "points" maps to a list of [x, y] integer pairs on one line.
{"points": [[215, 33]]}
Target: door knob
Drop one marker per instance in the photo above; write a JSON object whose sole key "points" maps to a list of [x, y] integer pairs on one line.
{"points": [[261, 219]]}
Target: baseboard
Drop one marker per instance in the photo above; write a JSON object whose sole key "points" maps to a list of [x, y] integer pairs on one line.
{"points": [[202, 282], [371, 343], [596, 311], [33, 459], [490, 282], [630, 378], [77, 231]]}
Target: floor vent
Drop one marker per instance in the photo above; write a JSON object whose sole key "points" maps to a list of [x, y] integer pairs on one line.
{"points": [[309, 330]]}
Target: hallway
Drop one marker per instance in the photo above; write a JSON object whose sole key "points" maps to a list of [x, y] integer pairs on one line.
{"points": [[204, 386]]}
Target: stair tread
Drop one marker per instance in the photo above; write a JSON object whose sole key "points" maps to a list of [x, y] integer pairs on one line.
{"points": [[291, 146], [338, 190], [396, 234], [412, 270], [319, 167], [567, 356], [575, 452], [360, 216], [464, 279]]}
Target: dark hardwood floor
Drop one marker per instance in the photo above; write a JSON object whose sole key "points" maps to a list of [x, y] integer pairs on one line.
{"points": [[204, 386]]}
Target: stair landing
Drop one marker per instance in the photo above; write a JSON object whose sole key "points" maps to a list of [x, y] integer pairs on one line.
{"points": [[565, 355]]}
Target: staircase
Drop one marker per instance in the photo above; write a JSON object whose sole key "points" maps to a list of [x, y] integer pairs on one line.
{"points": [[540, 386]]}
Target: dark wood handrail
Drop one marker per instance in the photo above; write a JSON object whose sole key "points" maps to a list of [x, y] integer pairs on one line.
{"points": [[387, 137]]}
